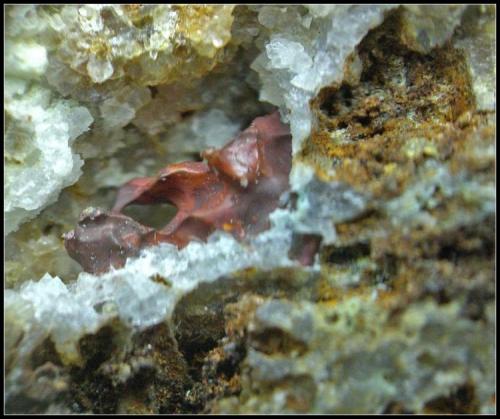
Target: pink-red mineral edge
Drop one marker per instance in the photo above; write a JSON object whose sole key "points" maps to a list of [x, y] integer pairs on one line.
{"points": [[235, 191]]}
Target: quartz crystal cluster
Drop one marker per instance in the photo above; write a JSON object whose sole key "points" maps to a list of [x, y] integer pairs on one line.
{"points": [[38, 155], [371, 287], [40, 127], [152, 44]]}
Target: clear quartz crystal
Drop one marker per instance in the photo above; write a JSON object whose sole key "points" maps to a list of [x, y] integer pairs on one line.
{"points": [[35, 178], [99, 70]]}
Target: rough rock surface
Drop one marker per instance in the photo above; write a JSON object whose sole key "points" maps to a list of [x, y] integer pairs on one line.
{"points": [[392, 111]]}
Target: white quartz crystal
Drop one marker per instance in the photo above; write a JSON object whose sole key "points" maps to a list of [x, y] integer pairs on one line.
{"points": [[25, 58], [39, 160], [207, 129], [99, 70], [119, 109], [40, 127], [477, 38]]}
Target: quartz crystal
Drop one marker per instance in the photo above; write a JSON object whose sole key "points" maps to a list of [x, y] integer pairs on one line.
{"points": [[39, 158], [478, 39]]}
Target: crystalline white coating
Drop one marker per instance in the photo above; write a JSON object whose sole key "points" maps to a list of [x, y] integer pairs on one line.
{"points": [[413, 206], [116, 114], [51, 166], [119, 109], [287, 54], [320, 205], [26, 21], [89, 18], [131, 293], [25, 58]]}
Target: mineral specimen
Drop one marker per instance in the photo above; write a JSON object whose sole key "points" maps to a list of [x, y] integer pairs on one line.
{"points": [[367, 287], [235, 191]]}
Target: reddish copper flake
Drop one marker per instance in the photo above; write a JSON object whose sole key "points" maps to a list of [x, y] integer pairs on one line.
{"points": [[235, 191]]}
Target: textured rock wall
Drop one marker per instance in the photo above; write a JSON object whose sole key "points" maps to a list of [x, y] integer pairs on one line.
{"points": [[392, 113]]}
